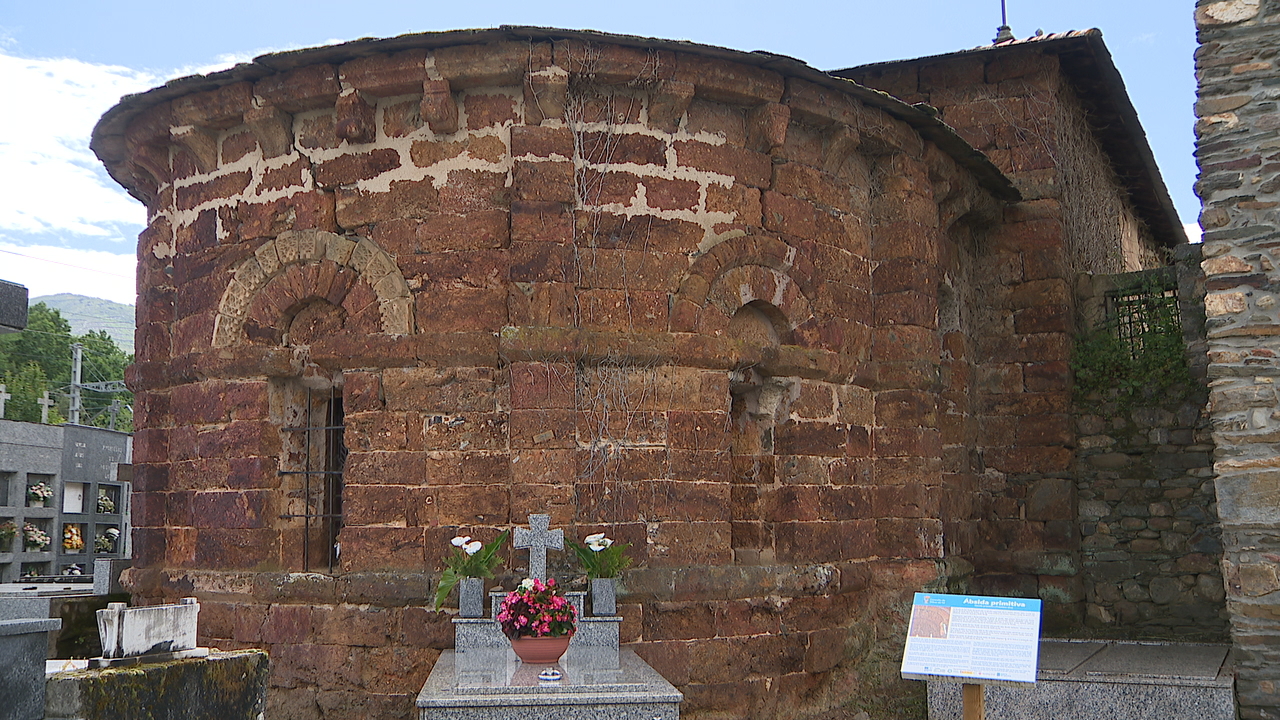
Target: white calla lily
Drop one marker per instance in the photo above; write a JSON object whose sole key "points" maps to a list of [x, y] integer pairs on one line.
{"points": [[461, 540], [473, 547]]}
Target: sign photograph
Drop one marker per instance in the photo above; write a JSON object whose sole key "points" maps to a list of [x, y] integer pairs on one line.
{"points": [[972, 638]]}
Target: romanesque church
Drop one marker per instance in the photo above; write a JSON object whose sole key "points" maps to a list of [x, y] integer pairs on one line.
{"points": [[804, 339]]}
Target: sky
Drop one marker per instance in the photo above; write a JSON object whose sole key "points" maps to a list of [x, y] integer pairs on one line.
{"points": [[65, 226]]}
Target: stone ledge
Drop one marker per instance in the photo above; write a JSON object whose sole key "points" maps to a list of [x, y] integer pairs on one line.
{"points": [[231, 685]]}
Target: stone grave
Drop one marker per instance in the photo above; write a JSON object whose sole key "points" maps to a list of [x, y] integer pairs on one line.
{"points": [[482, 679], [23, 650], [151, 667], [155, 633], [1110, 680]]}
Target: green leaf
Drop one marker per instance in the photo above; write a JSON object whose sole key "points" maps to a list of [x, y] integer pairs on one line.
{"points": [[448, 580]]}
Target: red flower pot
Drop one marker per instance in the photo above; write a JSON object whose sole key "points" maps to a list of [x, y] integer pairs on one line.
{"points": [[540, 650]]}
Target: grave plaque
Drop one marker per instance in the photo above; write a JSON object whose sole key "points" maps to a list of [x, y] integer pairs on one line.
{"points": [[973, 639]]}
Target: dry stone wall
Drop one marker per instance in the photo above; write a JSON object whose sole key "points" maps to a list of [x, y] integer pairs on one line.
{"points": [[687, 301], [1236, 148], [1151, 544]]}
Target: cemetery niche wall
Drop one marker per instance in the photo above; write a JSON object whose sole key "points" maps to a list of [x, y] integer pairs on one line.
{"points": [[796, 341]]}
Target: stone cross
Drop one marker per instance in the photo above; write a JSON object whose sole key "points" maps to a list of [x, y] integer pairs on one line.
{"points": [[45, 404], [537, 539], [3, 396]]}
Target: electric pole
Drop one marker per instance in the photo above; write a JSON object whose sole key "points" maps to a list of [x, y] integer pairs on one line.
{"points": [[77, 362]]}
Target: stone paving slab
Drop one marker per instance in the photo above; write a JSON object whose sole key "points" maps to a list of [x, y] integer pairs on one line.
{"points": [[1063, 657], [1158, 661]]}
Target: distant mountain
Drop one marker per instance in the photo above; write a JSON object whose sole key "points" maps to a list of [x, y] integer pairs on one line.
{"points": [[87, 313]]}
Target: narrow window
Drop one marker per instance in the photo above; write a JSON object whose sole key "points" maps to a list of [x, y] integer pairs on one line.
{"points": [[315, 455]]}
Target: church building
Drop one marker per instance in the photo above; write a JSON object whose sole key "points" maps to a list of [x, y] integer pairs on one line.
{"points": [[803, 339]]}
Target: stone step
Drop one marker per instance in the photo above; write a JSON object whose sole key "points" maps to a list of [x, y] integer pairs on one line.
{"points": [[1110, 680]]}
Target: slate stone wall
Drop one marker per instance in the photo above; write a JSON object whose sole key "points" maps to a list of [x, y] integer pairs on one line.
{"points": [[1237, 136], [1151, 544]]}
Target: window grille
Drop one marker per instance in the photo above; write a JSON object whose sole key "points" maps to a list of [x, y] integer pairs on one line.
{"points": [[1137, 314], [323, 454]]}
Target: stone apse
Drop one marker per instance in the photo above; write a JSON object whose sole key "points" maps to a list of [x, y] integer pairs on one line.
{"points": [[725, 307]]}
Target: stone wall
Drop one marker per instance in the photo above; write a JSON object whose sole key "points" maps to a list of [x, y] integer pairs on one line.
{"points": [[1151, 546], [1236, 149], [688, 301], [1008, 433]]}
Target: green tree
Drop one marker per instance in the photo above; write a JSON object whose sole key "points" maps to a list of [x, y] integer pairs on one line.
{"points": [[40, 358], [26, 386], [46, 341]]}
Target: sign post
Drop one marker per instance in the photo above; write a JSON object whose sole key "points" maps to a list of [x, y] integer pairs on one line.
{"points": [[975, 702], [979, 640]]}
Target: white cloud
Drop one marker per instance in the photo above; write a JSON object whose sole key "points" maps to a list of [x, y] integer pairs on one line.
{"points": [[63, 220], [49, 179], [47, 270], [1193, 231]]}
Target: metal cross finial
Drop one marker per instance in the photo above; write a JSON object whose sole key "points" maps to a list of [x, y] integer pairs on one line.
{"points": [[1004, 32], [3, 396], [537, 538], [45, 404]]}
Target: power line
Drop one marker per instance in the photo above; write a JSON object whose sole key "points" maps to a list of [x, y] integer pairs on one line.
{"points": [[58, 262]]}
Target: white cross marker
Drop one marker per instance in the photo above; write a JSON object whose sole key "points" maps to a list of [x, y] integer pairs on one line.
{"points": [[537, 540], [45, 404]]}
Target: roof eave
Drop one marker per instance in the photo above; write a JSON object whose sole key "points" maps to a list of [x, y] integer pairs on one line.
{"points": [[1129, 150], [108, 135]]}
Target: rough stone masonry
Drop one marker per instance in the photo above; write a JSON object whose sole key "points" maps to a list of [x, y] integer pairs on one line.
{"points": [[764, 324], [1237, 148]]}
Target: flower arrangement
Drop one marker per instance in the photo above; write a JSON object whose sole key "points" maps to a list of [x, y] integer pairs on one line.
{"points": [[470, 558], [7, 532], [601, 557], [40, 492], [106, 542], [536, 609], [106, 504], [34, 538], [71, 538]]}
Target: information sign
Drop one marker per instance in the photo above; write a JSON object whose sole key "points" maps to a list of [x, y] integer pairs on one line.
{"points": [[973, 638]]}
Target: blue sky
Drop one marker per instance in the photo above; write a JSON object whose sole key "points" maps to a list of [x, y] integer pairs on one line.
{"points": [[69, 61]]}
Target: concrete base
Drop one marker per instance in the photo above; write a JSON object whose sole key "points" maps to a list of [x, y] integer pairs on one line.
{"points": [[23, 648], [1109, 681], [597, 684], [225, 685]]}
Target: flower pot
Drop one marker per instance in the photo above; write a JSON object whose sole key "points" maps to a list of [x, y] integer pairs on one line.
{"points": [[604, 597], [471, 597], [35, 503], [540, 650]]}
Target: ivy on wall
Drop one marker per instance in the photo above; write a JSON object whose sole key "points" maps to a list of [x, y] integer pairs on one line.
{"points": [[1137, 353]]}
